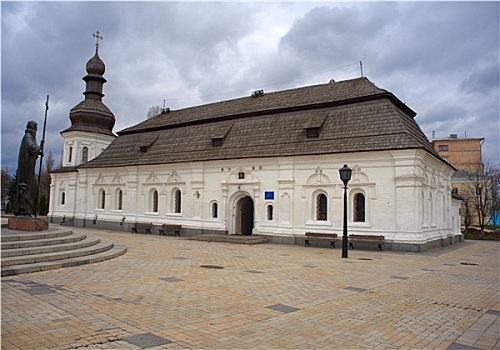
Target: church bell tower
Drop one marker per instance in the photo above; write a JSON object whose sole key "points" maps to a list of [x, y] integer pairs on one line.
{"points": [[92, 123]]}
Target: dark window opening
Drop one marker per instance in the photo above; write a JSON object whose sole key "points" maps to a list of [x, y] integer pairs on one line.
{"points": [[215, 209], [85, 154], [155, 201], [103, 200], [120, 200], [321, 207], [359, 207], [177, 202], [270, 212]]}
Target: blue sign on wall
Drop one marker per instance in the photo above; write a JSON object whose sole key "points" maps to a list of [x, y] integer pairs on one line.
{"points": [[269, 195]]}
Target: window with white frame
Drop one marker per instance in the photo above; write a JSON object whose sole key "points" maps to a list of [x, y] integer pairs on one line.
{"points": [[154, 198], [321, 207], [119, 199], [215, 210], [177, 201], [101, 199], [270, 212], [359, 207], [85, 154]]}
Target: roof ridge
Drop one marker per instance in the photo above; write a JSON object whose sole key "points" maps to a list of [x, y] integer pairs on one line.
{"points": [[306, 97]]}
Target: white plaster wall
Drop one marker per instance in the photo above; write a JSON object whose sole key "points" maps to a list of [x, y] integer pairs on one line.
{"points": [[392, 183], [95, 143]]}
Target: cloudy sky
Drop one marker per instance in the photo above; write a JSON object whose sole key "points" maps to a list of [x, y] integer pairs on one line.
{"points": [[440, 58]]}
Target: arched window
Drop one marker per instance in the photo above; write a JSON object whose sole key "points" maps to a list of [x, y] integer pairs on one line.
{"points": [[102, 199], [215, 209], [321, 207], [359, 207], [177, 201], [63, 198], [154, 201], [85, 154], [270, 212], [70, 156], [119, 199]]}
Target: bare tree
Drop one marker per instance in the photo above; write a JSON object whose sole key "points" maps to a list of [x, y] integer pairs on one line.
{"points": [[6, 179], [467, 213], [45, 176], [153, 112], [480, 191], [44, 190]]}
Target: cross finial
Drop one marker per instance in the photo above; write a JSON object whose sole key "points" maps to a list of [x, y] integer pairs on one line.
{"points": [[97, 36]]}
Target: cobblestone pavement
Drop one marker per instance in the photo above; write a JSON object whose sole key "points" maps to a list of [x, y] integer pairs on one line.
{"points": [[173, 293]]}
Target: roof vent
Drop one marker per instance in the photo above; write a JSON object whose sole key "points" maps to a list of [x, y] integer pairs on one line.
{"points": [[219, 135], [144, 148], [217, 141], [453, 136], [312, 133], [258, 93]]}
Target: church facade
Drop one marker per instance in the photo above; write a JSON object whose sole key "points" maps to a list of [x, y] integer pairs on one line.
{"points": [[265, 164]]}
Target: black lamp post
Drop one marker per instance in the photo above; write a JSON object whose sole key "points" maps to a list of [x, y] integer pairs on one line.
{"points": [[345, 175]]}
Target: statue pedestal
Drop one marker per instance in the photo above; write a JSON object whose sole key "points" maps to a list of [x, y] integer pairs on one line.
{"points": [[28, 224]]}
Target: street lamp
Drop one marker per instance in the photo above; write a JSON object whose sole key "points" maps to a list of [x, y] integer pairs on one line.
{"points": [[345, 175]]}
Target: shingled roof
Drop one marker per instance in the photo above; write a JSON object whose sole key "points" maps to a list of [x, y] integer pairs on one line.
{"points": [[346, 116]]}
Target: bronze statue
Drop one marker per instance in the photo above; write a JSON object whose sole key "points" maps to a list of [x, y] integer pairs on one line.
{"points": [[27, 184]]}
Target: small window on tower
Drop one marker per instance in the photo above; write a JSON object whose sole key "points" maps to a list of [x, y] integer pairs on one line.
{"points": [[85, 154], [241, 175]]}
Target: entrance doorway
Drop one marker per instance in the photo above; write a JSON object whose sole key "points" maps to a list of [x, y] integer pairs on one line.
{"points": [[244, 216]]}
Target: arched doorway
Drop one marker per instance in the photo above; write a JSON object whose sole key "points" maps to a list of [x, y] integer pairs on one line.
{"points": [[244, 216]]}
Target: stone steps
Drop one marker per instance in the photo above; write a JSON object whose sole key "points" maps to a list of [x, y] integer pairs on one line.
{"points": [[114, 252], [94, 246], [14, 236], [235, 239], [26, 252], [39, 246]]}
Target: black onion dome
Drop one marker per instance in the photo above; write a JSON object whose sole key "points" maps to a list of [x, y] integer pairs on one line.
{"points": [[91, 115], [95, 66]]}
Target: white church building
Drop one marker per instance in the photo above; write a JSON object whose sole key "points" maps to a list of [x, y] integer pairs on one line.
{"points": [[266, 164]]}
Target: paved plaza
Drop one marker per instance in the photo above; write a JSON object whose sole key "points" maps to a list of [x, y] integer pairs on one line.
{"points": [[175, 293]]}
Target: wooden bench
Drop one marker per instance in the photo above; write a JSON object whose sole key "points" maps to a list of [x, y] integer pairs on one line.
{"points": [[315, 236], [141, 226], [172, 228], [366, 239]]}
